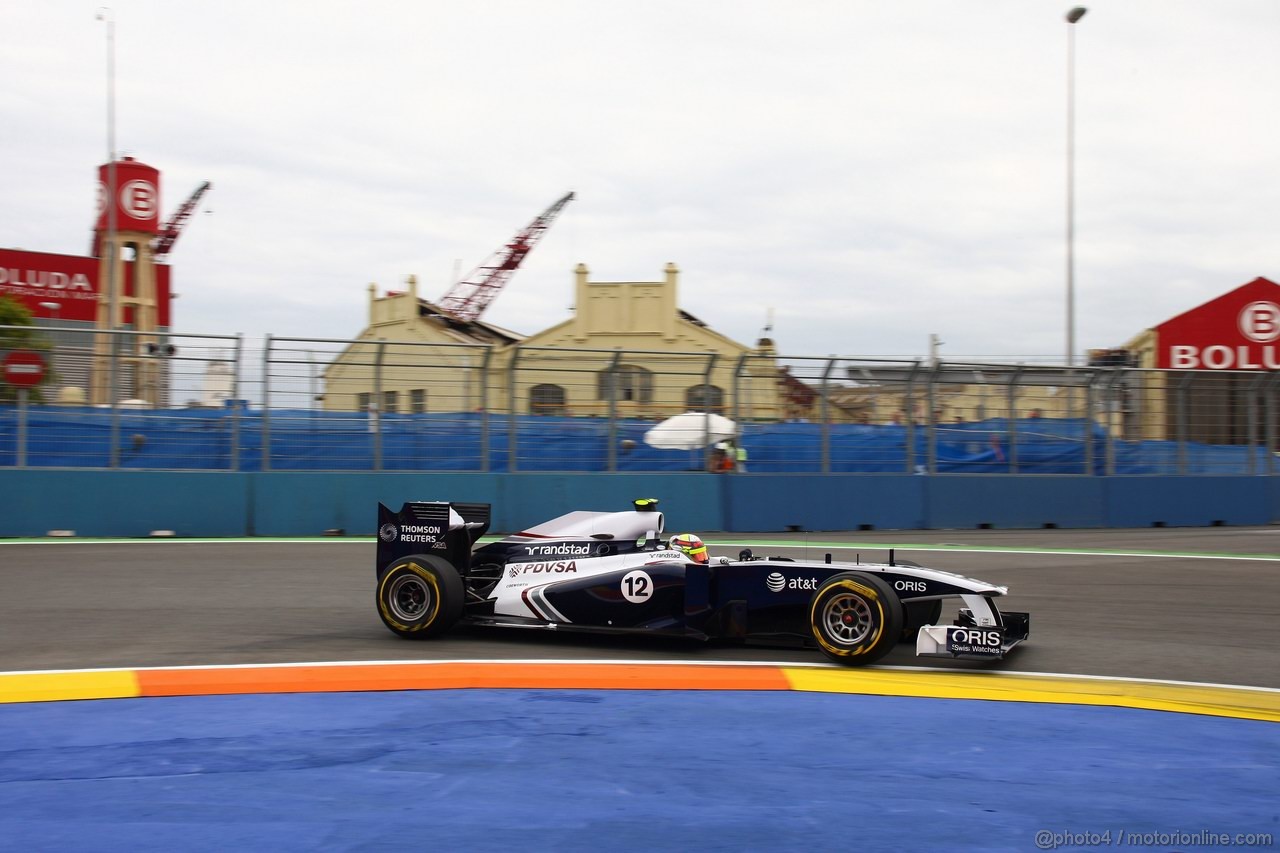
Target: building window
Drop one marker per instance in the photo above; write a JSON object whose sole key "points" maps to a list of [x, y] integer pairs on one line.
{"points": [[546, 400], [389, 402], [704, 398], [628, 383], [363, 401], [418, 401]]}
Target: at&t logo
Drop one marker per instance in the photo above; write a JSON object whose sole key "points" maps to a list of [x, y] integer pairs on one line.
{"points": [[777, 583]]}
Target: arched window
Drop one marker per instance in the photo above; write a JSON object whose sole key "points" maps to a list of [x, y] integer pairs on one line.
{"points": [[704, 398], [546, 400], [627, 383]]}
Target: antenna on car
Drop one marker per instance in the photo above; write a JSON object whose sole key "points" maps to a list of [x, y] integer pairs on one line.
{"points": [[891, 562]]}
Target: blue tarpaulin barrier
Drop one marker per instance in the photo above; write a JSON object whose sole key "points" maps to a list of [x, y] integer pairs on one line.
{"points": [[300, 440]]}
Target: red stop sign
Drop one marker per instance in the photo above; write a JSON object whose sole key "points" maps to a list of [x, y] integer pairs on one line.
{"points": [[24, 368]]}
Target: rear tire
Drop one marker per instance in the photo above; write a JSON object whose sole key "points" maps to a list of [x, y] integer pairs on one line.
{"points": [[855, 618], [420, 596]]}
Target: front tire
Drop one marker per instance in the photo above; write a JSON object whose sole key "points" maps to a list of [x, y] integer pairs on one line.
{"points": [[855, 618], [420, 596]]}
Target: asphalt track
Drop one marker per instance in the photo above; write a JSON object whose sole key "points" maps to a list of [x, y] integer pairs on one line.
{"points": [[1183, 604], [488, 741]]}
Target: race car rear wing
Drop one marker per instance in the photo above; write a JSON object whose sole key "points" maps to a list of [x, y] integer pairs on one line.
{"points": [[447, 529]]}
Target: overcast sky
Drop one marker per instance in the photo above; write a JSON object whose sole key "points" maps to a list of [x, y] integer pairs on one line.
{"points": [[871, 171]]}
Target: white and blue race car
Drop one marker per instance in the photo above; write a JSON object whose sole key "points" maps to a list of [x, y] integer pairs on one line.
{"points": [[612, 572]]}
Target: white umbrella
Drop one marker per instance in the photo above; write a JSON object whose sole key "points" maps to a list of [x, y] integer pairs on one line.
{"points": [[690, 431]]}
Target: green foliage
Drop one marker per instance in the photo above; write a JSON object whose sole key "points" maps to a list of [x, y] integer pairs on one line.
{"points": [[18, 331]]}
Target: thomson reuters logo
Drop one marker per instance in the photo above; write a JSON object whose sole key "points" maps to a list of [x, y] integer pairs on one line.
{"points": [[775, 582], [1260, 322], [387, 532]]}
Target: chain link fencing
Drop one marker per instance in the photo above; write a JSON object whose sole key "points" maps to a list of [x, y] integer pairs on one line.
{"points": [[209, 402]]}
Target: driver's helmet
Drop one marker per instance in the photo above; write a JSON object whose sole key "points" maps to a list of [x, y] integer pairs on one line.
{"points": [[690, 545]]}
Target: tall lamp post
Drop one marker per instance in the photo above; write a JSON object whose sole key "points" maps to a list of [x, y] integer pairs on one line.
{"points": [[107, 15], [1072, 17]]}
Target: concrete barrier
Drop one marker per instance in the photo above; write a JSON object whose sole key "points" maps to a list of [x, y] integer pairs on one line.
{"points": [[134, 503]]}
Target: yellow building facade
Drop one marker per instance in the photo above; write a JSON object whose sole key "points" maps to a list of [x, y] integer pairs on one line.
{"points": [[627, 351]]}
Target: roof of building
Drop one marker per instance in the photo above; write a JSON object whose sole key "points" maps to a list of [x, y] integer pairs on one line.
{"points": [[466, 331]]}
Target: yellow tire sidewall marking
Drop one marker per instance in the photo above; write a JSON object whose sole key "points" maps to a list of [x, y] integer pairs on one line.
{"points": [[868, 594], [431, 582]]}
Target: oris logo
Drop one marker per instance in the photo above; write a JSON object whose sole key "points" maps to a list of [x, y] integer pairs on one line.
{"points": [[387, 532], [910, 586], [775, 582], [1260, 322], [975, 636]]}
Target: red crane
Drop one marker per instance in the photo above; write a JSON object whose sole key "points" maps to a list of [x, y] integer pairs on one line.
{"points": [[468, 298], [172, 230]]}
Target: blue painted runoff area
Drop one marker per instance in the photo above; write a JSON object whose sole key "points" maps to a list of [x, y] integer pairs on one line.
{"points": [[308, 503], [619, 770]]}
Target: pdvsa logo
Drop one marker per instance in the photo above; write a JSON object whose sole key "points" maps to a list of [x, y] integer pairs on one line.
{"points": [[1260, 322], [387, 532]]}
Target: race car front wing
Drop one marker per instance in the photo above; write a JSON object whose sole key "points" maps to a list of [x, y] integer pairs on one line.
{"points": [[969, 639]]}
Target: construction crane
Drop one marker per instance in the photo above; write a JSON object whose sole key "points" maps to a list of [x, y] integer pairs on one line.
{"points": [[172, 230], [468, 298]]}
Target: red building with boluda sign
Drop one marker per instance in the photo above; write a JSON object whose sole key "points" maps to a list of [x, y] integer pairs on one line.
{"points": [[1239, 330], [62, 290], [1218, 358]]}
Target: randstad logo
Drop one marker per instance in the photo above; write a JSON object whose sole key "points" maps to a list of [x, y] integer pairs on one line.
{"points": [[776, 582]]}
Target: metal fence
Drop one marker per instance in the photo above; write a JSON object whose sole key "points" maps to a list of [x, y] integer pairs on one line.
{"points": [[208, 402]]}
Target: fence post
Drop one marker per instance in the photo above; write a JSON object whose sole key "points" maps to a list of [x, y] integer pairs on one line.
{"points": [[235, 404], [931, 424], [22, 428], [1090, 406], [266, 403], [511, 408], [737, 387], [484, 409], [1269, 428], [1251, 405], [376, 408], [1180, 410], [1113, 400], [824, 417], [706, 422], [115, 396], [611, 453], [1013, 419], [909, 402]]}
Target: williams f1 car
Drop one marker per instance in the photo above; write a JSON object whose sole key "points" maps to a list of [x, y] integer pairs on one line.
{"points": [[612, 572]]}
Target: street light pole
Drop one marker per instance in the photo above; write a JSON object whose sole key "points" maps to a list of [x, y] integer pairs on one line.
{"points": [[107, 15], [1072, 17]]}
